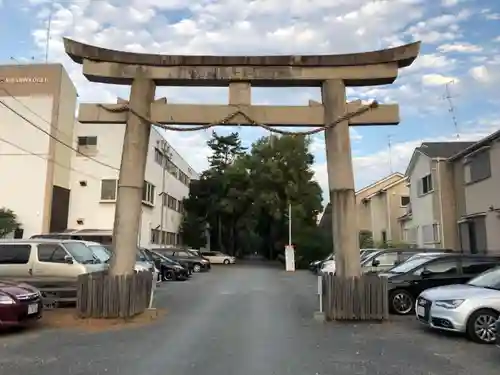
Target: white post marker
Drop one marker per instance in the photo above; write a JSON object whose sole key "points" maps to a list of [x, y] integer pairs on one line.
{"points": [[290, 258], [319, 316], [320, 293], [153, 288]]}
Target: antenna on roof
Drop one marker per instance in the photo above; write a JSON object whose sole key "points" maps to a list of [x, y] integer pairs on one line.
{"points": [[389, 144], [451, 109], [49, 26]]}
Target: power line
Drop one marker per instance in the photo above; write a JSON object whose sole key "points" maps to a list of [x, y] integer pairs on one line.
{"points": [[36, 114], [27, 152], [55, 138]]}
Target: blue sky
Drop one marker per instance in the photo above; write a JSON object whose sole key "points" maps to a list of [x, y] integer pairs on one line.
{"points": [[460, 47]]}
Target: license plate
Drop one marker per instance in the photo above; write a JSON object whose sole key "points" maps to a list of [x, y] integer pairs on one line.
{"points": [[33, 309], [420, 310]]}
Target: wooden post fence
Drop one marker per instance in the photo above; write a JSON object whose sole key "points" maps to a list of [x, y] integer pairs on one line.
{"points": [[100, 295], [356, 298]]}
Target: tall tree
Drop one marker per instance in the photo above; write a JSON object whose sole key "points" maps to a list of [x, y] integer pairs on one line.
{"points": [[8, 222], [244, 197]]}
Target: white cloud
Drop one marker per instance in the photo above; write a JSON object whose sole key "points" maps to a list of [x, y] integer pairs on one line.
{"points": [[438, 79], [264, 27], [460, 47], [480, 73], [371, 167]]}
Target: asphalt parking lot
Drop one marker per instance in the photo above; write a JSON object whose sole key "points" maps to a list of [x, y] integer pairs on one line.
{"points": [[242, 320]]}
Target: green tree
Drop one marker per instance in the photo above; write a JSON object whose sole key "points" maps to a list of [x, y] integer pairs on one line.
{"points": [[8, 222], [365, 239], [244, 196]]}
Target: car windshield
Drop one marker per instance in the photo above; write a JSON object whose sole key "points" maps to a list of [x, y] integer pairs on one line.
{"points": [[411, 264], [80, 252], [369, 257], [192, 253], [165, 258], [101, 252], [489, 279]]}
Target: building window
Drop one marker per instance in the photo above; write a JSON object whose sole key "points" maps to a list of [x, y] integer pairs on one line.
{"points": [[87, 145], [430, 233], [87, 141], [477, 167], [159, 158], [171, 202], [405, 200], [148, 193], [155, 236], [410, 235], [425, 185], [108, 190]]}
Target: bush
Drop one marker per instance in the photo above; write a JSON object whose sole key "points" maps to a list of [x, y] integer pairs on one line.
{"points": [[8, 222]]}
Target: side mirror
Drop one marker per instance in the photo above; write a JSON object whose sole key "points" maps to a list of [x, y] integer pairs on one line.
{"points": [[425, 273], [376, 263], [68, 259]]}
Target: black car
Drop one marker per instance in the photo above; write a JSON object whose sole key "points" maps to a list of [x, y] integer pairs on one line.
{"points": [[409, 279], [197, 263], [169, 269]]}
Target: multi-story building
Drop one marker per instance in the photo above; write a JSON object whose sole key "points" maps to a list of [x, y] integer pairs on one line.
{"points": [[378, 207], [37, 108], [430, 219], [474, 207], [95, 181], [58, 174]]}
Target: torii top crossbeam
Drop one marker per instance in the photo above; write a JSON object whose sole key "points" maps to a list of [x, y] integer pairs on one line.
{"points": [[355, 69]]}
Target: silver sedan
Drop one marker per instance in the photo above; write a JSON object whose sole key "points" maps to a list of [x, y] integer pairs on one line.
{"points": [[471, 308]]}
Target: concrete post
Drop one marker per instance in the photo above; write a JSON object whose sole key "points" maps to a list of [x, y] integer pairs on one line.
{"points": [[131, 180], [341, 181]]}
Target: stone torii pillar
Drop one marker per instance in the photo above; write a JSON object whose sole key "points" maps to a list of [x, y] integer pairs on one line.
{"points": [[330, 72]]}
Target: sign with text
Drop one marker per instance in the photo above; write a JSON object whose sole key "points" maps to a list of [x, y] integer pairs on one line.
{"points": [[23, 80], [290, 258]]}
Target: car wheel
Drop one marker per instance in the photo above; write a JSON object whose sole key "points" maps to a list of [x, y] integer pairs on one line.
{"points": [[226, 261], [169, 275], [401, 302], [481, 326], [197, 268]]}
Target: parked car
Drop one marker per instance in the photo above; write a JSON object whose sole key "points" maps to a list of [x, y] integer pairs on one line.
{"points": [[316, 266], [19, 304], [384, 260], [46, 258], [472, 308], [169, 269], [411, 278], [181, 255], [218, 257], [105, 252]]}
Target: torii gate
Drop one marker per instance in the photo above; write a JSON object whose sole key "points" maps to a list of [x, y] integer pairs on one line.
{"points": [[333, 73]]}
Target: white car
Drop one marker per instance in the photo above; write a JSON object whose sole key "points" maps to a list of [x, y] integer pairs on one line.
{"points": [[328, 267], [217, 257]]}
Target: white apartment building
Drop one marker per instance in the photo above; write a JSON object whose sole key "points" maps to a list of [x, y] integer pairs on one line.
{"points": [[51, 187], [422, 225], [38, 105], [94, 185]]}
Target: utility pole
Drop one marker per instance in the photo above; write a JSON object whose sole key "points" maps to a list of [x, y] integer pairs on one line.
{"points": [[289, 223], [166, 152]]}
